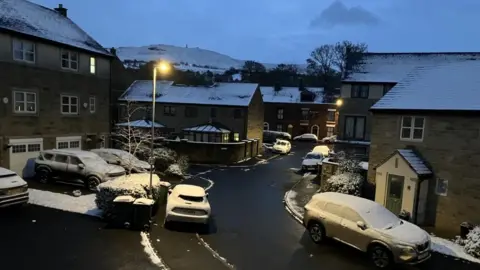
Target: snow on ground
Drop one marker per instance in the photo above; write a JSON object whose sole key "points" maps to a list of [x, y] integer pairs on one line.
{"points": [[292, 205], [152, 254], [83, 204], [447, 247]]}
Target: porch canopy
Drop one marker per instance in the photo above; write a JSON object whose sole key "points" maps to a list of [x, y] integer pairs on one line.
{"points": [[211, 132], [141, 124]]}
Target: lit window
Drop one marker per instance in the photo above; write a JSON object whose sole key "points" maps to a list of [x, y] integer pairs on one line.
{"points": [[412, 128], [23, 51], [236, 137], [91, 104], [279, 127], [92, 65], [69, 104], [25, 102], [69, 60]]}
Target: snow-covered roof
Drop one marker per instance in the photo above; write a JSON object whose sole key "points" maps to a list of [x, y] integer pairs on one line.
{"points": [[229, 94], [141, 124], [289, 95], [189, 190], [414, 161], [394, 67], [27, 18], [209, 128], [446, 86]]}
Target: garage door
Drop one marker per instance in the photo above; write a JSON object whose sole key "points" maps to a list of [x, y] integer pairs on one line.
{"points": [[23, 151], [72, 142]]}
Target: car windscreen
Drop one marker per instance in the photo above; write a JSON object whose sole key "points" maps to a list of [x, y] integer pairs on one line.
{"points": [[8, 175], [191, 198], [93, 159], [314, 156], [126, 155], [380, 218], [280, 143]]}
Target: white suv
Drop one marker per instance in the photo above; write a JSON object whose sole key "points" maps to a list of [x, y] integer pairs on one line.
{"points": [[71, 165], [187, 203], [13, 189]]}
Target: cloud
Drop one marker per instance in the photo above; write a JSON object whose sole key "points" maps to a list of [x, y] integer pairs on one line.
{"points": [[337, 14]]}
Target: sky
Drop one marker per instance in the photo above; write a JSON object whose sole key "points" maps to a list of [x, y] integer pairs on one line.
{"points": [[280, 31]]}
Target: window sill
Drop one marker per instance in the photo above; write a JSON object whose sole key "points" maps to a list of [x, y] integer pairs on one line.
{"points": [[69, 114], [25, 114], [24, 61], [411, 140]]}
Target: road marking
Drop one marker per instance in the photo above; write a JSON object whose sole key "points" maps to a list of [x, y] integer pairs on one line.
{"points": [[214, 253], [152, 254]]}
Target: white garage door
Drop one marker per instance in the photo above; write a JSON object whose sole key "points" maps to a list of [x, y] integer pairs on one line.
{"points": [[73, 142], [22, 155]]}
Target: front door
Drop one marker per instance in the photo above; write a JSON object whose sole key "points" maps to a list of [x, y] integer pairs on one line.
{"points": [[394, 193]]}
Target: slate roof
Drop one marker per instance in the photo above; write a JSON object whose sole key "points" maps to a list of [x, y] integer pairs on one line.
{"points": [[228, 94], [414, 161], [27, 18], [289, 95], [445, 86], [141, 124]]}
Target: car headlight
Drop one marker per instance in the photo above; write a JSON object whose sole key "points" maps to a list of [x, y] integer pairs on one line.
{"points": [[407, 252]]}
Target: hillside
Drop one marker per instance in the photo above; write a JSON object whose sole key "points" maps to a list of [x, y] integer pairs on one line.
{"points": [[195, 59]]}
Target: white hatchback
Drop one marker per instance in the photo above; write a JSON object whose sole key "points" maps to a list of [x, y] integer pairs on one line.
{"points": [[13, 189], [282, 147], [187, 203]]}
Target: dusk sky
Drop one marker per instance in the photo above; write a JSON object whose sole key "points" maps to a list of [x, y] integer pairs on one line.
{"points": [[274, 31]]}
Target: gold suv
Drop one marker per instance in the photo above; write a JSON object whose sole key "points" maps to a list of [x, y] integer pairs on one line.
{"points": [[367, 226]]}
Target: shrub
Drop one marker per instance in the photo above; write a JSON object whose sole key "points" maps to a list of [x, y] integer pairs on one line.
{"points": [[164, 157], [135, 185], [472, 243], [346, 183], [174, 170]]}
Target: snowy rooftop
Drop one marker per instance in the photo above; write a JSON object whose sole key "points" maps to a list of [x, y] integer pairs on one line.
{"points": [[414, 161], [210, 128], [393, 67], [34, 20], [230, 94], [141, 124], [288, 95], [446, 86]]}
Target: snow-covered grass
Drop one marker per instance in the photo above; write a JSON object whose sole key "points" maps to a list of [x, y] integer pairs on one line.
{"points": [[152, 254], [450, 248], [214, 253], [84, 204]]}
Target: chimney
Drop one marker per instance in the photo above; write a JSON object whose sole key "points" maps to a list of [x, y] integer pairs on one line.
{"points": [[60, 9]]}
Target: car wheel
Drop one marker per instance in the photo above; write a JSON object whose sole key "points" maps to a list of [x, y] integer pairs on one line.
{"points": [[316, 232], [43, 176], [92, 183], [380, 256]]}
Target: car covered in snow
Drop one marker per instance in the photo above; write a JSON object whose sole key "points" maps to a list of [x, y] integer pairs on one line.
{"points": [[187, 203], [13, 189], [282, 147], [75, 165], [323, 149], [129, 162], [270, 136], [312, 161], [307, 137], [367, 226], [329, 139]]}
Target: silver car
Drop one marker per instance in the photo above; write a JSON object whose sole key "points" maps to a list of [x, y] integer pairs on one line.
{"points": [[122, 158]]}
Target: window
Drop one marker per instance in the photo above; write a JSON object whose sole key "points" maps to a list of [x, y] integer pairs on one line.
{"points": [[69, 60], [191, 112], [386, 88], [441, 187], [23, 51], [68, 144], [280, 114], [74, 160], [237, 113], [355, 127], [412, 128], [359, 91], [351, 215], [305, 114], [20, 148], [279, 127], [61, 158], [266, 126], [225, 137], [92, 65], [75, 144], [69, 104], [236, 137], [62, 145], [329, 131], [25, 102], [331, 116], [47, 156], [91, 104], [169, 111], [213, 112], [34, 147], [334, 209]]}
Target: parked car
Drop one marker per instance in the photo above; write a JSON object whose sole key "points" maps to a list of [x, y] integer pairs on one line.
{"points": [[307, 137], [311, 161], [270, 136], [13, 189], [282, 147], [323, 149], [367, 226], [329, 139], [187, 203], [72, 165], [122, 158]]}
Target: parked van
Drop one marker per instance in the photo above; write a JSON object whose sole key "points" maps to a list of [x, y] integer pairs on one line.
{"points": [[366, 226]]}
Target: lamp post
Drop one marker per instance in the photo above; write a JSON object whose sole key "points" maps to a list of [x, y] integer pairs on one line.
{"points": [[162, 67]]}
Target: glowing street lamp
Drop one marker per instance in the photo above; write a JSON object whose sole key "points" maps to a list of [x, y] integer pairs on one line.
{"points": [[339, 102], [164, 68]]}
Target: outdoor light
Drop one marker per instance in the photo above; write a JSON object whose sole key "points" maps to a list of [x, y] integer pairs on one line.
{"points": [[163, 67], [339, 102]]}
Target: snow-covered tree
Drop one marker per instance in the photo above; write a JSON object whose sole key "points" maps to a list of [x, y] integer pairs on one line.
{"points": [[347, 179]]}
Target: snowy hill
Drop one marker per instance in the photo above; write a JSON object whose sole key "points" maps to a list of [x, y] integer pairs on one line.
{"points": [[183, 58]]}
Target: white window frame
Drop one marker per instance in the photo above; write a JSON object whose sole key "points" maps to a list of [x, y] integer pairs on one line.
{"points": [[280, 113], [281, 127], [69, 60], [24, 52], [69, 105], [93, 65], [437, 184], [25, 102], [412, 128], [266, 126], [69, 140], [92, 104]]}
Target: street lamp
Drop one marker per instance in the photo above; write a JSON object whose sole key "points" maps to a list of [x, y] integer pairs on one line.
{"points": [[339, 102], [162, 67]]}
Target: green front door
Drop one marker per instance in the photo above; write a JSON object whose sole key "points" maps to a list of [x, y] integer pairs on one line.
{"points": [[394, 193]]}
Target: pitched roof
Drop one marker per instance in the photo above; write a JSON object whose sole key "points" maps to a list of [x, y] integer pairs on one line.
{"points": [[414, 161], [445, 86], [141, 124], [27, 18], [289, 95], [208, 128], [393, 67], [229, 94]]}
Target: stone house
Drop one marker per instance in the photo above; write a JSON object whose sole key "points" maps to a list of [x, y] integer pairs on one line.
{"points": [[425, 143], [223, 112], [291, 110], [54, 84]]}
